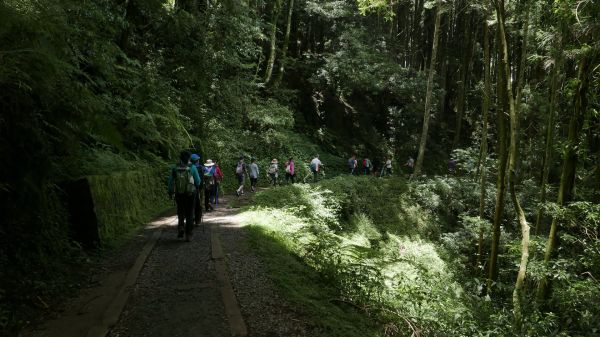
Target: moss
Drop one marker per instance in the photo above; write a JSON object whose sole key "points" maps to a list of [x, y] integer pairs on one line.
{"points": [[125, 200]]}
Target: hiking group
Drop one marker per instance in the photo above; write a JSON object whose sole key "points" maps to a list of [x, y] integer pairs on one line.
{"points": [[368, 168], [273, 172], [191, 181]]}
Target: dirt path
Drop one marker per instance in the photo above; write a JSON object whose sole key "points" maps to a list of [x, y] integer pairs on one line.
{"points": [[161, 286]]}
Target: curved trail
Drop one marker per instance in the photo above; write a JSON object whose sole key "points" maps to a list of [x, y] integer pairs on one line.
{"points": [[158, 285]]}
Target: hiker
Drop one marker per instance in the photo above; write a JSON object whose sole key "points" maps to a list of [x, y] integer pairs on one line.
{"points": [[209, 183], [315, 167], [290, 170], [240, 172], [218, 180], [367, 166], [387, 167], [195, 159], [184, 182], [352, 164], [410, 163], [452, 165], [273, 172], [253, 174]]}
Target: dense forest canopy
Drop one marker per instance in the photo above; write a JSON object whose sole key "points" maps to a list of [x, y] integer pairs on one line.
{"points": [[510, 90]]}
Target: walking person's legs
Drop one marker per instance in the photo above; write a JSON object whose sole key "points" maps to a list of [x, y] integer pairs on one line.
{"points": [[240, 189], [207, 193], [197, 208], [189, 216], [179, 200]]}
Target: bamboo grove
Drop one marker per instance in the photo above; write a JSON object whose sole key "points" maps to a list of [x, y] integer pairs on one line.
{"points": [[510, 89]]}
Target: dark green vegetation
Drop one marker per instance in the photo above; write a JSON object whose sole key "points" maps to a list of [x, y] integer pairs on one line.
{"points": [[509, 88], [403, 255]]}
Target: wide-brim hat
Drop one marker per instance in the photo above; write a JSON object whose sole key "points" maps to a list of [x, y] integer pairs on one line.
{"points": [[209, 162], [274, 161]]}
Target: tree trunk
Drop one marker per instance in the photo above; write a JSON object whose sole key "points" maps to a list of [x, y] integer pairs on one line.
{"points": [[567, 178], [286, 41], [428, 94], [462, 86], [273, 41], [484, 125], [501, 108], [514, 150], [549, 134]]}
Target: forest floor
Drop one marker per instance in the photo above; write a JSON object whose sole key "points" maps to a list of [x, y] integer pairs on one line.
{"points": [[157, 285]]}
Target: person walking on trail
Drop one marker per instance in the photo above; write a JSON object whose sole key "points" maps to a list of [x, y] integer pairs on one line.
{"points": [[240, 173], [209, 183], [387, 167], [253, 174], [452, 166], [195, 159], [273, 172], [367, 166], [183, 185], [410, 163], [218, 180], [315, 167], [290, 171], [352, 164]]}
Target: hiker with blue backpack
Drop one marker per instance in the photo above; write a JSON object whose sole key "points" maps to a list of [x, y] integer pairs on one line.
{"points": [[209, 183], [218, 180], [195, 159], [183, 185]]}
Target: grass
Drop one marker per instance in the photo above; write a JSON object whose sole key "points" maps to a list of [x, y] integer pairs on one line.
{"points": [[355, 250], [306, 289]]}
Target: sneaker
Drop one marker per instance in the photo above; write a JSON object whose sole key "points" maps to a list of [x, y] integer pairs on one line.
{"points": [[180, 235], [188, 237]]}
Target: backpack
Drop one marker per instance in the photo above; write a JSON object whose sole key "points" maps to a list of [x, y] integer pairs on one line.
{"points": [[209, 177], [239, 169], [351, 163], [273, 169], [184, 180]]}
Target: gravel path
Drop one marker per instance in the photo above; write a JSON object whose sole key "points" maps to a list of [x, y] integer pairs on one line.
{"points": [[176, 293], [179, 292], [264, 311]]}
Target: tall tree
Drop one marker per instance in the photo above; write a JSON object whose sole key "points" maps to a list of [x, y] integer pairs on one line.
{"points": [[485, 106], [272, 40], [569, 166], [549, 144], [286, 41], [429, 92], [513, 105]]}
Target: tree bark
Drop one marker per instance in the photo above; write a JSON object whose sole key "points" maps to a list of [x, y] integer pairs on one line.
{"points": [[286, 41], [484, 125], [272, 41], [570, 158], [514, 150], [462, 87], [501, 108], [549, 134], [428, 94]]}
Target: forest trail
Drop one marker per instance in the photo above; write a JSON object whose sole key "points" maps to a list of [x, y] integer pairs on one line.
{"points": [[161, 286]]}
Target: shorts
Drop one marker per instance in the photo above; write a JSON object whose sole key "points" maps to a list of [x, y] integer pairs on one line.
{"points": [[240, 178]]}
